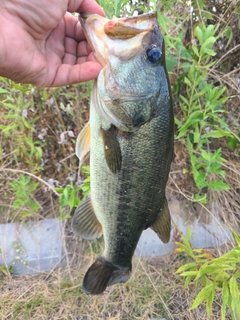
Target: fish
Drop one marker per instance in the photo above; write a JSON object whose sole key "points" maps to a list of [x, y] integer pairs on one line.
{"points": [[130, 140]]}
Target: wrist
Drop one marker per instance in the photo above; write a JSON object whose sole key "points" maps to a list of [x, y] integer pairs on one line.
{"points": [[3, 40]]}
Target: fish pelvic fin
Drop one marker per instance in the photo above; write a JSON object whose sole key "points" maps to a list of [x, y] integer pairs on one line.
{"points": [[83, 143], [162, 224], [102, 274], [112, 150], [85, 223]]}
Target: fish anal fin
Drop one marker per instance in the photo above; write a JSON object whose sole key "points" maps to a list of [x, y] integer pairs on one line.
{"points": [[112, 150], [85, 223], [162, 224], [83, 143], [102, 274]]}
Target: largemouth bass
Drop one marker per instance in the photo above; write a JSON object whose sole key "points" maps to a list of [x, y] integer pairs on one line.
{"points": [[130, 138]]}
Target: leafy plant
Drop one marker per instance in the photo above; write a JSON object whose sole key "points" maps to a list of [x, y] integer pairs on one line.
{"points": [[112, 7], [69, 199], [214, 274], [69, 195], [5, 271], [117, 7], [86, 182], [23, 189], [202, 111], [15, 127]]}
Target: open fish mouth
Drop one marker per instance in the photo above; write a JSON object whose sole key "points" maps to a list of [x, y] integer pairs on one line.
{"points": [[110, 37]]}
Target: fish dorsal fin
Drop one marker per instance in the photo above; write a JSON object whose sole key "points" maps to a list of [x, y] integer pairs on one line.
{"points": [[83, 143], [112, 150], [85, 223], [162, 224]]}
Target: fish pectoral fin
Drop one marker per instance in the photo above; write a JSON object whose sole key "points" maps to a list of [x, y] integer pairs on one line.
{"points": [[112, 150], [162, 224], [85, 223], [102, 274], [83, 143]]}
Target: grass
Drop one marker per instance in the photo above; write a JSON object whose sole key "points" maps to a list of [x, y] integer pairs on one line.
{"points": [[154, 291]]}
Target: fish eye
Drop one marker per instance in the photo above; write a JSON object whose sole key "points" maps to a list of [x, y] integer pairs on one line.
{"points": [[153, 54]]}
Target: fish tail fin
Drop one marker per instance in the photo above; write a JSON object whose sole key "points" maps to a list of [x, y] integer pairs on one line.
{"points": [[102, 274]]}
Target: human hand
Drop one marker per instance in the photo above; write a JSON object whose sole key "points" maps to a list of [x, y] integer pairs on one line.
{"points": [[43, 44]]}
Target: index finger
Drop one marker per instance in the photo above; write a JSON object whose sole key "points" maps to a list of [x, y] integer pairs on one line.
{"points": [[89, 6]]}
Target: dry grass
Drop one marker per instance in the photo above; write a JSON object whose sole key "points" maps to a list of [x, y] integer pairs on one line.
{"points": [[154, 291]]}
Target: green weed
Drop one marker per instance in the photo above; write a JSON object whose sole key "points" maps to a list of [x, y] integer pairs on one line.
{"points": [[202, 110], [215, 275], [23, 189], [69, 199], [86, 182], [119, 7], [69, 196], [17, 130], [112, 8]]}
